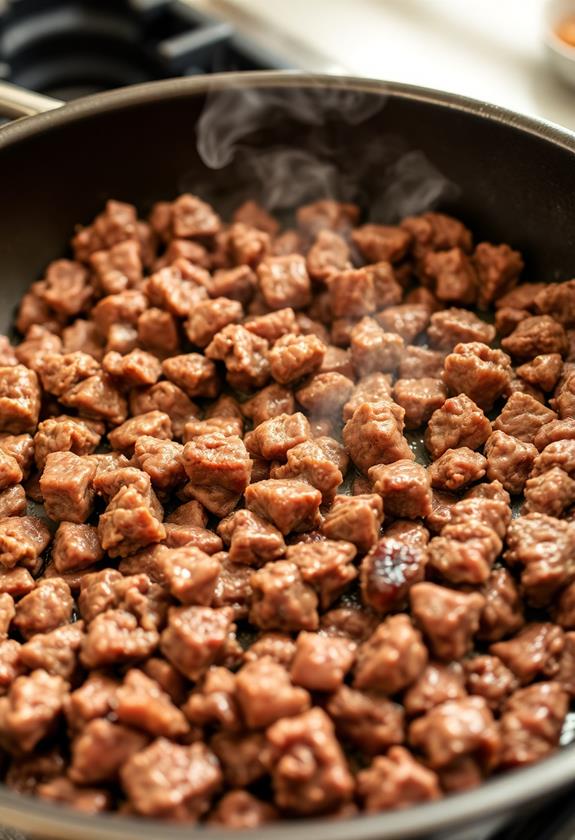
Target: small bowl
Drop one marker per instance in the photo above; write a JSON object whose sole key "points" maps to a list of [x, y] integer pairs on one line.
{"points": [[559, 54]]}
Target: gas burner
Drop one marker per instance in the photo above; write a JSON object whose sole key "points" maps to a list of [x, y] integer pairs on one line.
{"points": [[70, 49]]}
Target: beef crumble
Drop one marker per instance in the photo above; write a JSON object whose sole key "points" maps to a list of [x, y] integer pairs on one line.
{"points": [[219, 420]]}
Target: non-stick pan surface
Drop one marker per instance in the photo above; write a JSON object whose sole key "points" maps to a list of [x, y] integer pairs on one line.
{"points": [[510, 178]]}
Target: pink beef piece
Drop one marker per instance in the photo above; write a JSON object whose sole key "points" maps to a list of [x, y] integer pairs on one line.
{"points": [[419, 398], [10, 472], [531, 723], [66, 287], [459, 422], [479, 372], [381, 242], [209, 317], [552, 492], [38, 345], [244, 355], [168, 780], [253, 214], [325, 394], [101, 749], [133, 593], [327, 566], [535, 651], [437, 232], [388, 571], [134, 369], [272, 325], [115, 637], [227, 426], [161, 460], [356, 519], [7, 613], [251, 539], [123, 308], [366, 719], [233, 588], [449, 619], [542, 371], [465, 551], [65, 434], [87, 800], [502, 614], [22, 541], [244, 244], [93, 699], [498, 268], [281, 600], [328, 254], [560, 453], [522, 417], [454, 326], [239, 809], [56, 651], [373, 349], [536, 336], [83, 335], [240, 756], [420, 363], [352, 292], [76, 547], [453, 275], [158, 332], [509, 460], [11, 667], [295, 356], [143, 704], [217, 462], [190, 574], [404, 487], [265, 693], [19, 399], [373, 388], [196, 637], [7, 352], [507, 319], [168, 398], [121, 338], [214, 701], [97, 397], [487, 677], [154, 424], [66, 486], [48, 606], [315, 461], [321, 662], [284, 281], [277, 646], [558, 301], [193, 373], [13, 502], [396, 780], [273, 438], [437, 684], [373, 436], [16, 582], [543, 547], [407, 320], [327, 782], [291, 505], [270, 402], [392, 658], [456, 468], [237, 283], [178, 288], [476, 734], [31, 709], [129, 523], [118, 268]]}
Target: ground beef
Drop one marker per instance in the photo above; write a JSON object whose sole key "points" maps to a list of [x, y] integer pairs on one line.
{"points": [[459, 422], [396, 781], [124, 686]]}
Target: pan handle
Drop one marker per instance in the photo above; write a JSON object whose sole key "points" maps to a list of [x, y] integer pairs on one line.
{"points": [[16, 102]]}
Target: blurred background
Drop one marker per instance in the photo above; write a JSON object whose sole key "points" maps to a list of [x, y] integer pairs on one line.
{"points": [[502, 51]]}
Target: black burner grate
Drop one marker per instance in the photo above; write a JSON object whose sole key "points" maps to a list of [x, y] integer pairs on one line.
{"points": [[69, 49]]}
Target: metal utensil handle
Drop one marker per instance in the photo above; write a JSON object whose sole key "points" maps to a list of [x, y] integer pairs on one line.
{"points": [[16, 102]]}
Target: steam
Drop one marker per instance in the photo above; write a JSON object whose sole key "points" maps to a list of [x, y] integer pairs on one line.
{"points": [[389, 177]]}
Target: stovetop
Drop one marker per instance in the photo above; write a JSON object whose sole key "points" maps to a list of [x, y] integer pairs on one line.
{"points": [[68, 49]]}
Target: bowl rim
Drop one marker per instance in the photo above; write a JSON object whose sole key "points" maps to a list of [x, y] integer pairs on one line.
{"points": [[489, 801]]}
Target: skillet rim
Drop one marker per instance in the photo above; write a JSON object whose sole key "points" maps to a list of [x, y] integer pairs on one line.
{"points": [[494, 797]]}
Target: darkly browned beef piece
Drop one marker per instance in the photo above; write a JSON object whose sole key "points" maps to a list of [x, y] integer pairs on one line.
{"points": [[245, 407]]}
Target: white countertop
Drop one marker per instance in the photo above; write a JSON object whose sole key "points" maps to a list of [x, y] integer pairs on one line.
{"points": [[490, 49]]}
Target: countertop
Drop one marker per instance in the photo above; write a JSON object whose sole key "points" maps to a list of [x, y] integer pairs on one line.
{"points": [[490, 50]]}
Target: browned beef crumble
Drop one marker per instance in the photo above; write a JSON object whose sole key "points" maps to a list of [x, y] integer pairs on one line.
{"points": [[245, 600]]}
